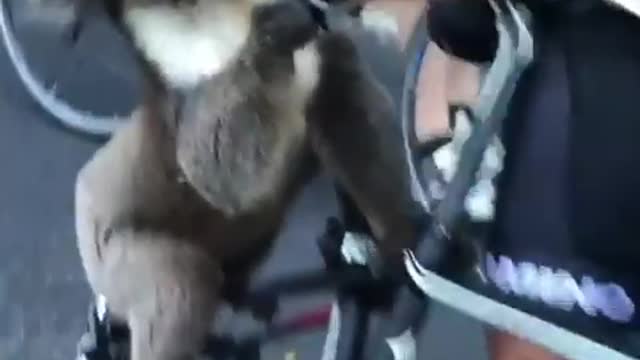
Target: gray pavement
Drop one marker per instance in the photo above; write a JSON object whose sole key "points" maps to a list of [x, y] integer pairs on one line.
{"points": [[43, 295]]}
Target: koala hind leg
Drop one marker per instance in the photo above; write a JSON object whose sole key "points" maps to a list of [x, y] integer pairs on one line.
{"points": [[167, 290]]}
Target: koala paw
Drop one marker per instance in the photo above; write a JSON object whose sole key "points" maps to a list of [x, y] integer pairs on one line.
{"points": [[285, 24]]}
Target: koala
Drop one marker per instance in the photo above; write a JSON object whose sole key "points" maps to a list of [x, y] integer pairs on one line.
{"points": [[245, 100]]}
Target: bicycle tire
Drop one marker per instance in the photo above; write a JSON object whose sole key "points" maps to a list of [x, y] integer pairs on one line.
{"points": [[415, 51], [82, 121]]}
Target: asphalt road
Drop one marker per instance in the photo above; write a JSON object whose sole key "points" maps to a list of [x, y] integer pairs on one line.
{"points": [[43, 294]]}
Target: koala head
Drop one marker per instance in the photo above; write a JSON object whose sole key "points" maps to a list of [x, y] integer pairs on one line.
{"points": [[186, 41]]}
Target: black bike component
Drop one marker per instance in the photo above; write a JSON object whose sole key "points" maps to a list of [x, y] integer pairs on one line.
{"points": [[354, 323], [94, 344]]}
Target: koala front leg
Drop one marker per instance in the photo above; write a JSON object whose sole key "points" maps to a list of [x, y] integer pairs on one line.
{"points": [[354, 133]]}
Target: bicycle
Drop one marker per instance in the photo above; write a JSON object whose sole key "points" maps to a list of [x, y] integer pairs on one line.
{"points": [[347, 320]]}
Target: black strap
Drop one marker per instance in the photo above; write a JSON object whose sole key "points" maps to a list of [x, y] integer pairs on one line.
{"points": [[562, 7]]}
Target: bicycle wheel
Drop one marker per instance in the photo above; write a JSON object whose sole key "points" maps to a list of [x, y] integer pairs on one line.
{"points": [[83, 111]]}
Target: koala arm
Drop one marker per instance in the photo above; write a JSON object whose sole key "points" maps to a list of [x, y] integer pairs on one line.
{"points": [[354, 134]]}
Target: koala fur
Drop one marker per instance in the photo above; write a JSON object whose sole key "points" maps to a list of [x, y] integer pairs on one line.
{"points": [[245, 100]]}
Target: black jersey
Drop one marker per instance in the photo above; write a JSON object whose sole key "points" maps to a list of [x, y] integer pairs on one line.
{"points": [[563, 234], [565, 242]]}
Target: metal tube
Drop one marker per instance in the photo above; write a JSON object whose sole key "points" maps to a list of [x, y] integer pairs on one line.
{"points": [[554, 338], [353, 328]]}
